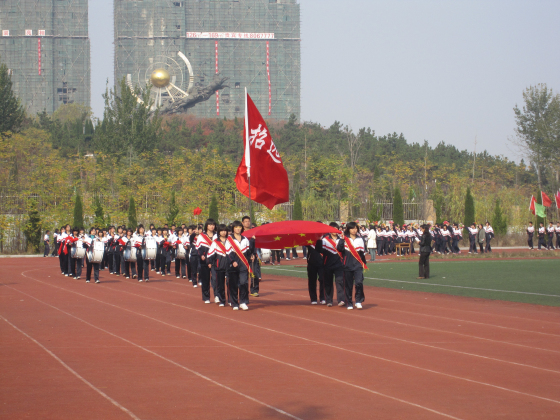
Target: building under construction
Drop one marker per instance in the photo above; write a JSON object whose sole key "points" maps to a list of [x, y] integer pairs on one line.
{"points": [[254, 43], [45, 45]]}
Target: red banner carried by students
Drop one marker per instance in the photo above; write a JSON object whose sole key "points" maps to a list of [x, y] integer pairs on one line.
{"points": [[557, 197], [546, 201], [261, 162], [532, 205]]}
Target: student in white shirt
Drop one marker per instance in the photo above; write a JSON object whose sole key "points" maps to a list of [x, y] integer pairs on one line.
{"points": [[46, 240]]}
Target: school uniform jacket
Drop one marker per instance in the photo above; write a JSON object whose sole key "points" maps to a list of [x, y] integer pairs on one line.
{"points": [[247, 248], [331, 257], [218, 257], [314, 254], [349, 261]]}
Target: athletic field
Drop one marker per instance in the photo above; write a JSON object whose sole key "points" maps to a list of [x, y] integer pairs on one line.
{"points": [[128, 350], [522, 280]]}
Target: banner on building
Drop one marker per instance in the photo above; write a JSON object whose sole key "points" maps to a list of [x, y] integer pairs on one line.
{"points": [[230, 35]]}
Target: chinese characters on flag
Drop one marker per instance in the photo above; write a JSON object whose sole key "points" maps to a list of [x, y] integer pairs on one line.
{"points": [[261, 162]]}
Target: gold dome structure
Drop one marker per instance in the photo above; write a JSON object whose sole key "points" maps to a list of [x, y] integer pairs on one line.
{"points": [[160, 78]]}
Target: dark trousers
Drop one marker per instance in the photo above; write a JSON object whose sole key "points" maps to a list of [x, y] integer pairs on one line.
{"points": [[89, 267], [530, 242], [123, 262], [47, 249], [213, 281], [129, 268], [424, 265], [180, 267], [76, 266], [481, 245], [338, 280], [313, 274], [69, 264], [116, 262], [55, 250], [275, 253], [541, 242], [61, 261], [205, 274], [294, 253], [140, 264], [488, 246], [472, 245], [256, 267], [221, 286], [194, 269], [550, 245], [238, 286], [354, 279], [455, 245]]}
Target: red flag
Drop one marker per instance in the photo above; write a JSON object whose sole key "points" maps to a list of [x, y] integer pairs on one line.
{"points": [[261, 162], [197, 211], [557, 197], [547, 202], [532, 205]]}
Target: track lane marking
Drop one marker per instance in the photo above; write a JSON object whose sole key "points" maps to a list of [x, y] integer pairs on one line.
{"points": [[224, 343], [72, 371]]}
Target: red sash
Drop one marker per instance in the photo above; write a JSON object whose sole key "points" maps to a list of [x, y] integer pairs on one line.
{"points": [[354, 253], [221, 246], [239, 254], [206, 239], [333, 243]]}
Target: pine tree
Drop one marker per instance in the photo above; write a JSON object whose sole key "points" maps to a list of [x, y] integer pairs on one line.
{"points": [[373, 215], [297, 213], [398, 210], [173, 210], [99, 219], [78, 212], [499, 221], [11, 111], [33, 227], [132, 223], [213, 212], [469, 210]]}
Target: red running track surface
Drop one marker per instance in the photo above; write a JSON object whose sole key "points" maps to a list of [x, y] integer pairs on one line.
{"points": [[123, 349]]}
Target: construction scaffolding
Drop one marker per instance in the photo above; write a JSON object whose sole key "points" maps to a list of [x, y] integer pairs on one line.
{"points": [[45, 45], [255, 43]]}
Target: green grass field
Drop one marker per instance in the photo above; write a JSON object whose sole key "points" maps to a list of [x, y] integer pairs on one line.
{"points": [[527, 281]]}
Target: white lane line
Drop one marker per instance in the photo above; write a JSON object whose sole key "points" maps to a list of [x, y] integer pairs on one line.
{"points": [[194, 372], [447, 308], [229, 345], [347, 350], [72, 371], [441, 285], [432, 329]]}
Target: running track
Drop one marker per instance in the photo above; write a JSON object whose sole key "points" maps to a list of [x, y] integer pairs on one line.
{"points": [[123, 349]]}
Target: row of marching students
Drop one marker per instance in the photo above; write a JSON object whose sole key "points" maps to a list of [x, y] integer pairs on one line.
{"points": [[339, 262], [226, 256], [544, 233]]}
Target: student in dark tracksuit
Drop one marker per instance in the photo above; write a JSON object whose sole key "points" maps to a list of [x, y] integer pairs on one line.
{"points": [[255, 264], [238, 271], [332, 262], [353, 267], [219, 260], [203, 244], [315, 271], [551, 231], [194, 261], [425, 251], [89, 241]]}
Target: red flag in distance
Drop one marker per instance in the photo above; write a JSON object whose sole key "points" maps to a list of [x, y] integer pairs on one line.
{"points": [[532, 205], [197, 211], [546, 201]]}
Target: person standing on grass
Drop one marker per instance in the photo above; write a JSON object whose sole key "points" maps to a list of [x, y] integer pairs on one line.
{"points": [[542, 232], [352, 249], [530, 233], [46, 240], [489, 236], [425, 251], [372, 243], [551, 230], [481, 237]]}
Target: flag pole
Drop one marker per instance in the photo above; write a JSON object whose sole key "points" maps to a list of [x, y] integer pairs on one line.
{"points": [[248, 155]]}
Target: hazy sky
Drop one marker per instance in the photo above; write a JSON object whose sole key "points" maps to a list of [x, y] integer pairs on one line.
{"points": [[432, 70]]}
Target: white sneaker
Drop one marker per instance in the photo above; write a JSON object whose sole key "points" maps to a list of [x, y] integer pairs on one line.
{"points": [[140, 280], [314, 303], [341, 303], [206, 301], [195, 285], [216, 299], [350, 308], [323, 302], [87, 281], [221, 304], [97, 281], [244, 306], [235, 308], [358, 305]]}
